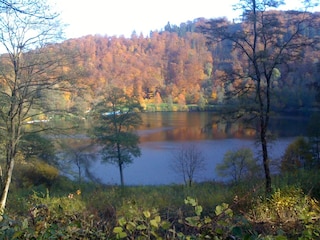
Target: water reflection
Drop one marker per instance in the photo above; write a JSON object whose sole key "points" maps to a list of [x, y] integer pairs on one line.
{"points": [[161, 133], [184, 126], [154, 166]]}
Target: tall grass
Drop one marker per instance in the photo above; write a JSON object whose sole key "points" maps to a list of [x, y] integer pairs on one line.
{"points": [[94, 210]]}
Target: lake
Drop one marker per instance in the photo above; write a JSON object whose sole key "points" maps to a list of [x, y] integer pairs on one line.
{"points": [[163, 133]]}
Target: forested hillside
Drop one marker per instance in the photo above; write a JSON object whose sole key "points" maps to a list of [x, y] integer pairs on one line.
{"points": [[176, 66]]}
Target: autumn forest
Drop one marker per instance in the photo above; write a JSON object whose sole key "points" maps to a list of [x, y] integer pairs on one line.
{"points": [[176, 66]]}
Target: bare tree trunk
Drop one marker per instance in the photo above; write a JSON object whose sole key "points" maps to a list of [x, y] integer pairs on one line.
{"points": [[263, 110], [6, 186], [190, 182], [121, 175], [265, 159], [79, 175], [264, 120], [120, 164]]}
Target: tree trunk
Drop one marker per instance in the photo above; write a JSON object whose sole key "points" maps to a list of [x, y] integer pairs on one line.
{"points": [[190, 182], [265, 158], [5, 190], [120, 164], [264, 121], [79, 175], [121, 175]]}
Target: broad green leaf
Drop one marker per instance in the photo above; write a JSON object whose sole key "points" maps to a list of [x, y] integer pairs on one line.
{"points": [[122, 235], [207, 220], [141, 227], [221, 208], [229, 212], [147, 214], [193, 221], [117, 230], [219, 231], [17, 234], [122, 221], [157, 219], [218, 210], [198, 210], [165, 225], [190, 201], [154, 223], [130, 226]]}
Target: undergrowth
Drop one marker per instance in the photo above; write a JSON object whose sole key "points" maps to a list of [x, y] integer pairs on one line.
{"points": [[204, 211]]}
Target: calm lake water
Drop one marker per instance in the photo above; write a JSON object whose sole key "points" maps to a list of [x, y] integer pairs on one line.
{"points": [[163, 133]]}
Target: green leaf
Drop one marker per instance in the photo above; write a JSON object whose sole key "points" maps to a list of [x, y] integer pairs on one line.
{"points": [[130, 226], [193, 221], [157, 219], [147, 214], [165, 225], [17, 234], [141, 227], [219, 231], [198, 210], [180, 235], [122, 221], [117, 229], [154, 223], [229, 212], [122, 235], [190, 201], [221, 208], [207, 220], [218, 210]]}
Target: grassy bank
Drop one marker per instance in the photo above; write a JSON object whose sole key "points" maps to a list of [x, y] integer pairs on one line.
{"points": [[205, 210]]}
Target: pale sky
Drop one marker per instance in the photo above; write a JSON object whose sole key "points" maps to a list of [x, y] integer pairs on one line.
{"points": [[122, 17]]}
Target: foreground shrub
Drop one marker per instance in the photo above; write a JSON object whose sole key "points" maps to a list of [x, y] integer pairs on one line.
{"points": [[130, 213], [55, 218], [137, 223], [35, 172], [289, 211]]}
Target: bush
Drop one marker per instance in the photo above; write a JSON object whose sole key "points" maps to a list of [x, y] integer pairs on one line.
{"points": [[296, 156], [210, 211], [55, 218], [288, 210], [238, 165], [35, 172]]}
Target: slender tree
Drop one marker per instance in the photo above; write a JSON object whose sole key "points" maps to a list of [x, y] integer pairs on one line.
{"points": [[238, 165], [188, 161], [117, 120], [264, 42], [27, 68], [77, 159]]}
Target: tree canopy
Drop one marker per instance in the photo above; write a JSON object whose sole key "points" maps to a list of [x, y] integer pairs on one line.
{"points": [[116, 120]]}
